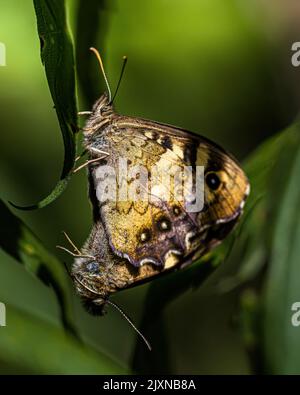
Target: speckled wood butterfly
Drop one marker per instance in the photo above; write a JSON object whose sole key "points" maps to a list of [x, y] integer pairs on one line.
{"points": [[136, 240]]}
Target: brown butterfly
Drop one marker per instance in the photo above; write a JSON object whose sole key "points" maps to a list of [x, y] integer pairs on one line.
{"points": [[135, 240]]}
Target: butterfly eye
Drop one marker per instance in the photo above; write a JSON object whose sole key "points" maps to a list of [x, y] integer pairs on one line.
{"points": [[92, 267], [212, 181]]}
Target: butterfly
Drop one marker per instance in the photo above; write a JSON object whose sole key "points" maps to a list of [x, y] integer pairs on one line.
{"points": [[134, 240]]}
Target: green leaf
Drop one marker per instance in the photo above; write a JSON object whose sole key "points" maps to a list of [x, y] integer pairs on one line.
{"points": [[21, 243], [30, 345], [58, 58], [161, 292], [251, 251], [259, 166], [281, 340], [271, 240]]}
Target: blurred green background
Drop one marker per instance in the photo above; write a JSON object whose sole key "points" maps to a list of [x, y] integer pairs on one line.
{"points": [[221, 68]]}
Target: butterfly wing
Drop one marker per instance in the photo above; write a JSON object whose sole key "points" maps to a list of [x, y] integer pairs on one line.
{"points": [[153, 228]]}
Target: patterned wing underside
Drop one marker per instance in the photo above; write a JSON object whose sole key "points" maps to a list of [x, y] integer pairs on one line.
{"points": [[160, 230]]}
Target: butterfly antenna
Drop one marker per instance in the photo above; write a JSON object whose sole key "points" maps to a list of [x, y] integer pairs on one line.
{"points": [[118, 308], [96, 52], [130, 322], [120, 78], [71, 242]]}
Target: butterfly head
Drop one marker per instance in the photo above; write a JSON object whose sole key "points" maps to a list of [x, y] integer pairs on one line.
{"points": [[88, 281], [103, 107], [101, 116]]}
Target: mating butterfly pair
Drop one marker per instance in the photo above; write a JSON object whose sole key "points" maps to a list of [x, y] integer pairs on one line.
{"points": [[135, 240]]}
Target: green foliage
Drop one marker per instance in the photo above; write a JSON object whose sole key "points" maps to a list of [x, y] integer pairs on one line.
{"points": [[30, 345], [272, 254], [282, 283], [20, 242], [262, 254], [58, 59]]}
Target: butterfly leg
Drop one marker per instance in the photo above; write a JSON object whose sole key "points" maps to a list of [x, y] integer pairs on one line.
{"points": [[84, 113], [91, 129], [86, 163], [81, 155]]}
